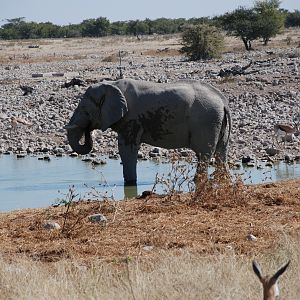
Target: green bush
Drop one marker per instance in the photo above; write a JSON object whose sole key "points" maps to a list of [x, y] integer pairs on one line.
{"points": [[202, 42]]}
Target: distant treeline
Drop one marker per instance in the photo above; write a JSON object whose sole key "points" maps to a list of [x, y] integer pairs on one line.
{"points": [[18, 28]]}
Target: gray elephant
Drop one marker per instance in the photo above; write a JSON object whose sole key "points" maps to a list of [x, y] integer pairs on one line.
{"points": [[187, 113]]}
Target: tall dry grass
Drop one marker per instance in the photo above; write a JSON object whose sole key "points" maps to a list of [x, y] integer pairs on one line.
{"points": [[166, 276]]}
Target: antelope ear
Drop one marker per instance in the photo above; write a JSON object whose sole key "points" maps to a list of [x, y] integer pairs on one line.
{"points": [[114, 106], [257, 270]]}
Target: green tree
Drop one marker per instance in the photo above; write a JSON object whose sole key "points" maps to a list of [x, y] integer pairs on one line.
{"points": [[118, 28], [242, 23], [202, 42], [270, 20], [293, 19], [95, 27], [137, 27]]}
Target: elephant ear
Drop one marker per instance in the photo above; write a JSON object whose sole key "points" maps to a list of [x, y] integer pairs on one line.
{"points": [[113, 106]]}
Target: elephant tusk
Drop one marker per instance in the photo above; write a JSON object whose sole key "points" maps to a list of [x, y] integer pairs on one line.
{"points": [[71, 126]]}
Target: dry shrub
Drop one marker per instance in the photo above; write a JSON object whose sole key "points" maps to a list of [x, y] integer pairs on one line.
{"points": [[178, 179], [221, 190], [110, 58], [162, 52], [210, 192]]}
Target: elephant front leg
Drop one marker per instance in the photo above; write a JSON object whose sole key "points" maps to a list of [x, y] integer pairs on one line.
{"points": [[128, 153]]}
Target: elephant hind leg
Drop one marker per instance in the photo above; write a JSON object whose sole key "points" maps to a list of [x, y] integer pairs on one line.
{"points": [[202, 167], [222, 169]]}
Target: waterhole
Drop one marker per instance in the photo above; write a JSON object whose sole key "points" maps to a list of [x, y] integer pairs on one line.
{"points": [[29, 182]]}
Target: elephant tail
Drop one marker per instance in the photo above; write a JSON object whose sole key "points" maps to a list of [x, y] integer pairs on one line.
{"points": [[223, 141], [228, 118]]}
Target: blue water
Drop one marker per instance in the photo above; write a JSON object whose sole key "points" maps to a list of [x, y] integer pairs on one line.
{"points": [[29, 182]]}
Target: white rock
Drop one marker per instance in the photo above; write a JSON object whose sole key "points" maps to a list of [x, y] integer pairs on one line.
{"points": [[251, 237], [97, 218], [49, 225]]}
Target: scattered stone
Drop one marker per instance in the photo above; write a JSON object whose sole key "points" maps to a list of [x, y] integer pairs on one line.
{"points": [[86, 159], [254, 113], [237, 165], [250, 164], [36, 75], [97, 218], [148, 248], [153, 155], [184, 153], [251, 237], [58, 74], [21, 155], [73, 154], [145, 194], [272, 151], [98, 162], [140, 155], [73, 82], [26, 89], [49, 225], [246, 159], [288, 158]]}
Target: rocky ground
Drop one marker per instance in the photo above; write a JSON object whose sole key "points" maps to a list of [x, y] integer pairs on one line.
{"points": [[267, 93]]}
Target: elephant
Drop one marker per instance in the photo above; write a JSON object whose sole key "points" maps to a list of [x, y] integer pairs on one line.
{"points": [[185, 114]]}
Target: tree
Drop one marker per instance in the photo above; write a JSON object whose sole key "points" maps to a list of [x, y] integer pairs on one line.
{"points": [[241, 23], [270, 20], [293, 19], [95, 27], [202, 42], [118, 28]]}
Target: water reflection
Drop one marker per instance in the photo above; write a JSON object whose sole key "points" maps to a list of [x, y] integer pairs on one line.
{"points": [[30, 182], [130, 191]]}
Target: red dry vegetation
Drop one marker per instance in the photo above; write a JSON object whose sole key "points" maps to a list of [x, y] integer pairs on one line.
{"points": [[212, 221]]}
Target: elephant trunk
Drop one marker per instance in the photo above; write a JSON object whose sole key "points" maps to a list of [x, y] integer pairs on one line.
{"points": [[74, 136]]}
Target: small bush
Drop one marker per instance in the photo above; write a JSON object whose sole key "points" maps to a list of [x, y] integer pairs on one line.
{"points": [[202, 42]]}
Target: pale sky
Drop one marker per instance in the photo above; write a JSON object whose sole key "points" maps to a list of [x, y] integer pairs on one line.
{"points": [[62, 12]]}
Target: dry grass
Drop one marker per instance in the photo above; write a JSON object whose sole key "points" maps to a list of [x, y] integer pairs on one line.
{"points": [[183, 246], [55, 50], [213, 222], [167, 275]]}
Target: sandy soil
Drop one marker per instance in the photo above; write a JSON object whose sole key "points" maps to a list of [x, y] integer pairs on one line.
{"points": [[215, 221]]}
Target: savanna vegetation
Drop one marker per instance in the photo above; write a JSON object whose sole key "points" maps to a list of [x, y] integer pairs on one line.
{"points": [[263, 21], [191, 246]]}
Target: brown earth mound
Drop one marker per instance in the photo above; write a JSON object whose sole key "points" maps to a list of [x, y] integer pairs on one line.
{"points": [[147, 225]]}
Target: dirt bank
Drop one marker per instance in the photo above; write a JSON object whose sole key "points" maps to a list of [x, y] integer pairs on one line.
{"points": [[218, 221]]}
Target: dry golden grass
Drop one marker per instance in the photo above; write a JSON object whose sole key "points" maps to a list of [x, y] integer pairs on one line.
{"points": [[52, 50], [167, 275], [181, 246]]}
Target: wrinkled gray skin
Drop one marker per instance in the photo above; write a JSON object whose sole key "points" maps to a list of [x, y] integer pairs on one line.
{"points": [[189, 114]]}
